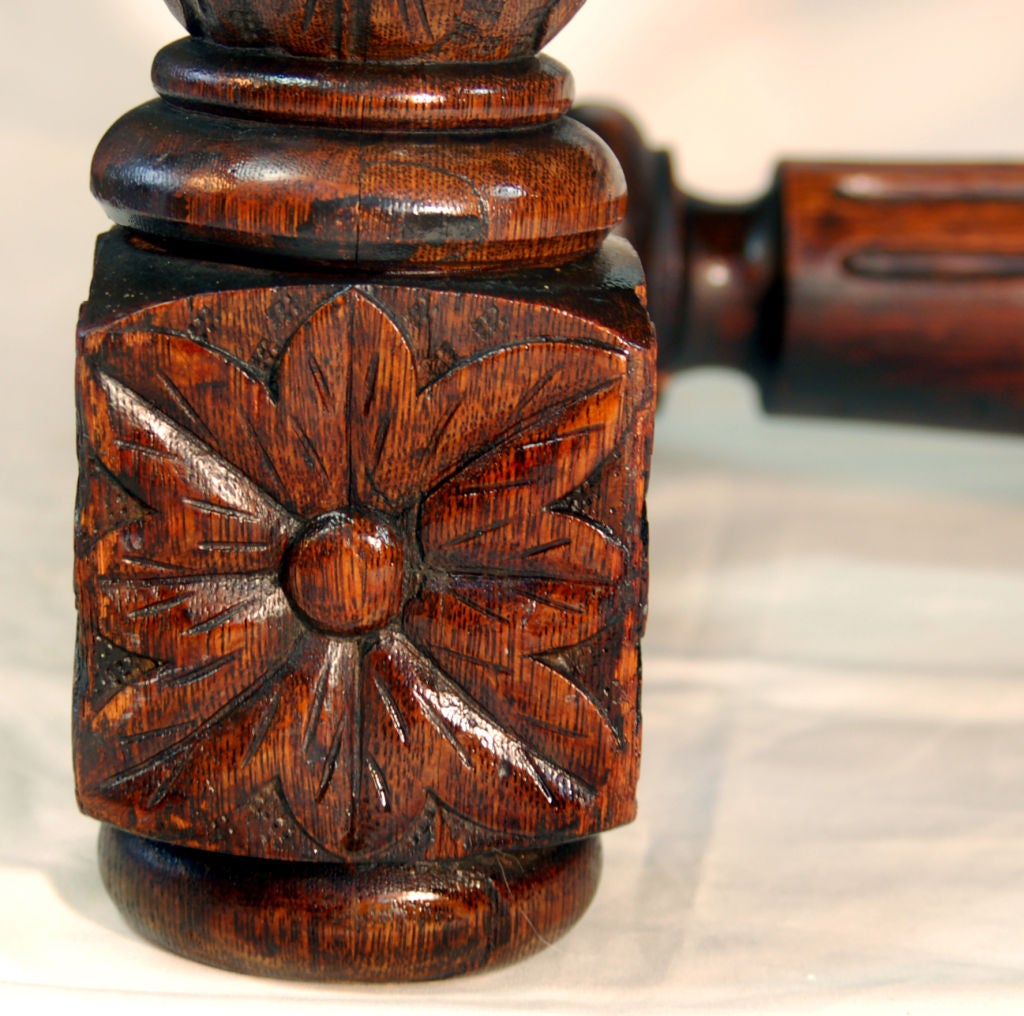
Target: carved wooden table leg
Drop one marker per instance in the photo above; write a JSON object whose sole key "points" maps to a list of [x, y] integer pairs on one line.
{"points": [[891, 292], [365, 418]]}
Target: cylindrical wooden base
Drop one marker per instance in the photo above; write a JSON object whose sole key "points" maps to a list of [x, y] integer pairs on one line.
{"points": [[348, 922]]}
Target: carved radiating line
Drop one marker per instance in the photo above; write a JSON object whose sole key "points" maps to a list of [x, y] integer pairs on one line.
{"points": [[269, 462], [492, 489], [391, 708], [220, 619], [534, 389], [945, 266], [183, 404], [139, 449], [443, 426], [371, 384], [193, 675], [551, 601], [379, 782], [165, 785], [548, 726], [263, 725], [313, 457], [153, 733], [330, 763], [323, 389], [546, 548], [479, 608], [438, 721], [421, 7], [197, 581], [594, 428], [319, 696], [383, 427], [345, 720], [475, 660], [420, 11], [152, 562]]}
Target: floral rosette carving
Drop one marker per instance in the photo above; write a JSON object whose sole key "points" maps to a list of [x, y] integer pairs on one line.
{"points": [[355, 580]]}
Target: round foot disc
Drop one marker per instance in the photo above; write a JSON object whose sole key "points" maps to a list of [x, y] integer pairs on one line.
{"points": [[381, 922]]}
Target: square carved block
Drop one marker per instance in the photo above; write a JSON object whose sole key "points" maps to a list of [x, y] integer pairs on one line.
{"points": [[360, 564]]}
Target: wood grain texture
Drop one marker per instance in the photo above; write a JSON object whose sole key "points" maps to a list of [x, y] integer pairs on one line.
{"points": [[419, 31], [367, 562], [409, 922]]}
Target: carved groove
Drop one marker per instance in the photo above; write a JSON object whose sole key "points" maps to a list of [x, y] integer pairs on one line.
{"points": [[940, 266]]}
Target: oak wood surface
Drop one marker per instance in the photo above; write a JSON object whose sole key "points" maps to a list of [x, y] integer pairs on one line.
{"points": [[375, 923], [365, 398]]}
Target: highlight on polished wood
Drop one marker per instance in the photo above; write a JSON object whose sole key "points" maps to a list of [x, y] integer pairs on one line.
{"points": [[888, 291]]}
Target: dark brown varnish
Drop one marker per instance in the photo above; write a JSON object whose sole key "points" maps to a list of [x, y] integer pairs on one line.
{"points": [[881, 291], [365, 404]]}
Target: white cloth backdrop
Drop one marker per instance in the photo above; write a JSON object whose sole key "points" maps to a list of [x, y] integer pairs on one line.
{"points": [[832, 801]]}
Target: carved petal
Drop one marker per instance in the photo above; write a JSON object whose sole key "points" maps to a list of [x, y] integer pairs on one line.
{"points": [[492, 517], [173, 391], [485, 634], [192, 585], [483, 401], [431, 740], [320, 775], [222, 656], [346, 382], [383, 405], [149, 583]]}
